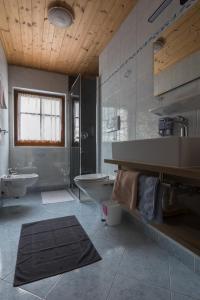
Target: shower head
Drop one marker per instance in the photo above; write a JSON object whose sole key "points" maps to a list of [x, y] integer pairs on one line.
{"points": [[74, 96]]}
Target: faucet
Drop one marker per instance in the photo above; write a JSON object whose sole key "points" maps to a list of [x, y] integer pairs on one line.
{"points": [[183, 122], [11, 171]]}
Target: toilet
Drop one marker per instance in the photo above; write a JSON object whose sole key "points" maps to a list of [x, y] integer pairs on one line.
{"points": [[15, 185], [97, 186]]}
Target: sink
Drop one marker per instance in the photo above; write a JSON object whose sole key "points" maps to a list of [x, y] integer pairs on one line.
{"points": [[168, 151]]}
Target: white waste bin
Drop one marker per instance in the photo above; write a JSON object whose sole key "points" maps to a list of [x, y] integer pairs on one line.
{"points": [[112, 212]]}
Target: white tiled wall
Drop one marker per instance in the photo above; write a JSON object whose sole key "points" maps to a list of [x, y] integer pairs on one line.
{"points": [[51, 163], [129, 91], [4, 115]]}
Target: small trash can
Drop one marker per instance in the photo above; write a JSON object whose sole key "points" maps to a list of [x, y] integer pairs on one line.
{"points": [[112, 212]]}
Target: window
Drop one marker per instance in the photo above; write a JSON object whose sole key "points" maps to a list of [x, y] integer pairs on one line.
{"points": [[75, 123], [39, 119]]}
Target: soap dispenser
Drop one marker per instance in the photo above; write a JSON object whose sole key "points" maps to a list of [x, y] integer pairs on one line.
{"points": [[166, 126]]}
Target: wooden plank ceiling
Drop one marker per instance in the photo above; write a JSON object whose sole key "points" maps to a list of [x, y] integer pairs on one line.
{"points": [[181, 40], [30, 40]]}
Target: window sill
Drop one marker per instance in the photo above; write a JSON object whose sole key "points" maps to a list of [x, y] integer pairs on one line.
{"points": [[39, 144]]}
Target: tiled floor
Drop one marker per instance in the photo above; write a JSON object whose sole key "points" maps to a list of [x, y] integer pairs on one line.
{"points": [[132, 267]]}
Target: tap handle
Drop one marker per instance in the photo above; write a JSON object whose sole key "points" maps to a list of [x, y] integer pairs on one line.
{"points": [[11, 170]]}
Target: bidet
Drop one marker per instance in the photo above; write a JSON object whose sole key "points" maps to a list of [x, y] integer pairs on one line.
{"points": [[15, 185]]}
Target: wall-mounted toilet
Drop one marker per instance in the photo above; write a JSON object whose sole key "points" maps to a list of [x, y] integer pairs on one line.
{"points": [[97, 186], [15, 185]]}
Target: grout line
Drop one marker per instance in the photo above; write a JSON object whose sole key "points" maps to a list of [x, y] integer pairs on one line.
{"points": [[115, 275], [170, 278], [4, 277], [195, 267], [185, 295], [18, 288], [53, 286], [171, 295], [174, 291]]}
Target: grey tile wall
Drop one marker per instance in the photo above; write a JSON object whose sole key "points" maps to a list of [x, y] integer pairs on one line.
{"points": [[3, 115], [52, 163]]}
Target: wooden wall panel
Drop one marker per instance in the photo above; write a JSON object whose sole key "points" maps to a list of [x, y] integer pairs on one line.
{"points": [[12, 10], [25, 17], [30, 40], [3, 17], [38, 19]]}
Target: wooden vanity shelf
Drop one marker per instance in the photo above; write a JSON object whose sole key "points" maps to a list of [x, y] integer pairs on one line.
{"points": [[185, 228], [190, 175]]}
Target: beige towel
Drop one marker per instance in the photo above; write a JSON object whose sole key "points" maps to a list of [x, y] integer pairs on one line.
{"points": [[125, 188]]}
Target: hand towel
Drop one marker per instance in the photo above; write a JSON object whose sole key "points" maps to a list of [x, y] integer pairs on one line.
{"points": [[162, 194], [147, 197], [125, 188]]}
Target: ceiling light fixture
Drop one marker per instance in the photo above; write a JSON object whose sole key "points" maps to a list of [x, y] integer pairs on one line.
{"points": [[158, 44], [60, 16]]}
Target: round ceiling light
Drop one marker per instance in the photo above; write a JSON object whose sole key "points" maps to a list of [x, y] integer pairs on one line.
{"points": [[60, 16], [158, 44]]}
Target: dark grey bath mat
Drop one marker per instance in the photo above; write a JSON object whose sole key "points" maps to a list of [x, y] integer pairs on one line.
{"points": [[51, 247]]}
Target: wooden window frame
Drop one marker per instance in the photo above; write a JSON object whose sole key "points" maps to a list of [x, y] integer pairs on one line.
{"points": [[75, 144], [38, 143]]}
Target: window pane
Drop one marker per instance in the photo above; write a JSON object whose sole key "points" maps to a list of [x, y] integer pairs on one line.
{"points": [[76, 109], [51, 106], [75, 137], [29, 128], [29, 104], [51, 128]]}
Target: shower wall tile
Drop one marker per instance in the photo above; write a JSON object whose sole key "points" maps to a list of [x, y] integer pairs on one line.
{"points": [[51, 164], [127, 36], [4, 140], [146, 122]]}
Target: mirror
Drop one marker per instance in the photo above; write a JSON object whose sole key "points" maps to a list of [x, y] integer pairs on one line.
{"points": [[177, 53]]}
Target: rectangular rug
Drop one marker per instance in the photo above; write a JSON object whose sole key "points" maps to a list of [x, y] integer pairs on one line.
{"points": [[56, 196], [51, 247]]}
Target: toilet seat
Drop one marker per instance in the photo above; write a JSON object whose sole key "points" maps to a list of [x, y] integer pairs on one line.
{"points": [[91, 177]]}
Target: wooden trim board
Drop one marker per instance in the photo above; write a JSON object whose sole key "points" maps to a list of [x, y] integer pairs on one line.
{"points": [[190, 173]]}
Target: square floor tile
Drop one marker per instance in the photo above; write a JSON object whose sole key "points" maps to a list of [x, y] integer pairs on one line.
{"points": [[183, 280], [129, 288], [148, 263], [88, 283], [40, 288], [7, 292]]}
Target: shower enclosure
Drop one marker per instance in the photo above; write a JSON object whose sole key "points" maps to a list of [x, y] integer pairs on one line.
{"points": [[83, 127]]}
